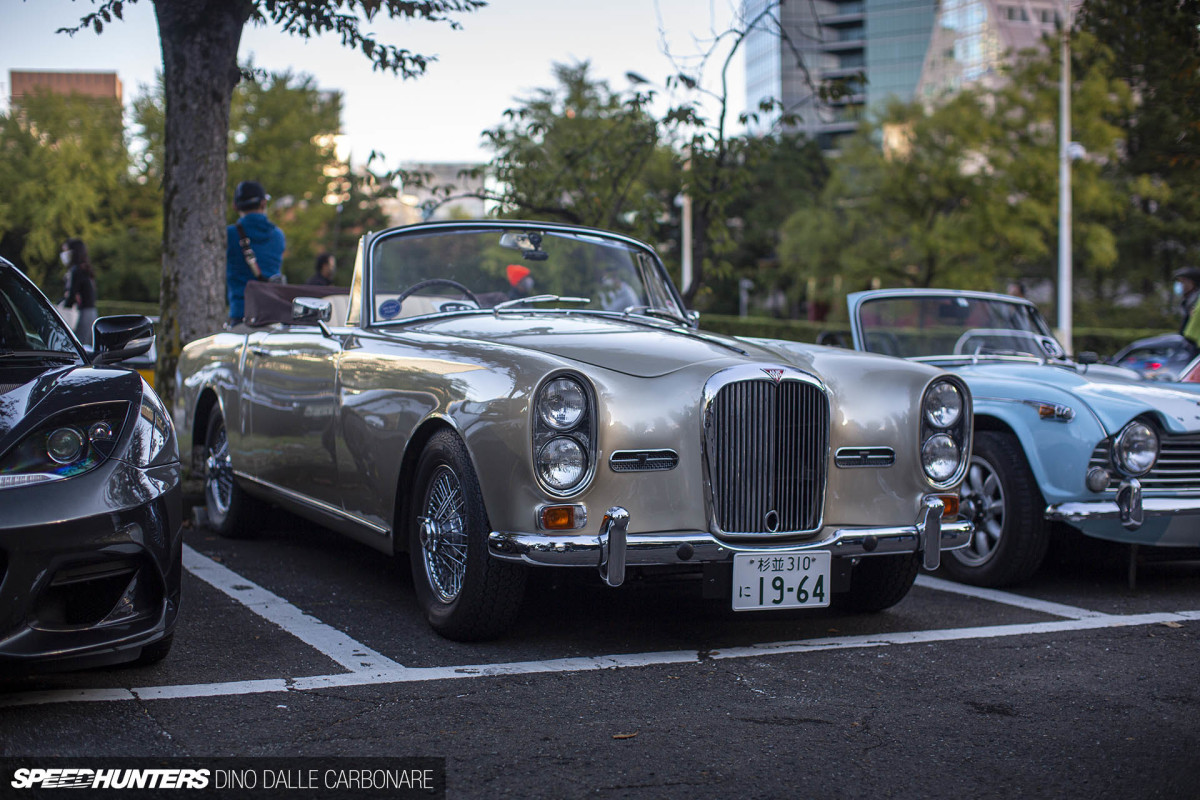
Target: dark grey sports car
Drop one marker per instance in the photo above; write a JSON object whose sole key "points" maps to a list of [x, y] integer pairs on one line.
{"points": [[90, 498]]}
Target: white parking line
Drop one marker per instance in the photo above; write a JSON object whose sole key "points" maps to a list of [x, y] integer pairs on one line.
{"points": [[1007, 598], [327, 640], [368, 667], [414, 675]]}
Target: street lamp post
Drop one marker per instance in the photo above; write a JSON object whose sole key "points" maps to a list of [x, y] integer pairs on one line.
{"points": [[1065, 281]]}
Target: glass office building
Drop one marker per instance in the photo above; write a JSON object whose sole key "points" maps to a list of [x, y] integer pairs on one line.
{"points": [[793, 48]]}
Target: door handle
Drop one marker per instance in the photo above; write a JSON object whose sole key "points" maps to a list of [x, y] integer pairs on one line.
{"points": [[260, 351]]}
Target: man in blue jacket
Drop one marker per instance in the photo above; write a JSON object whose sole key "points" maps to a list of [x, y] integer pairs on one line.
{"points": [[254, 247]]}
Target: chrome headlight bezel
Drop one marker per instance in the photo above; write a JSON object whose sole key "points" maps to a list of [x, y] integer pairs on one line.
{"points": [[559, 442], [1135, 448], [946, 424]]}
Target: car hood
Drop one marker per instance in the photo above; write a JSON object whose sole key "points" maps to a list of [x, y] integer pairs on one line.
{"points": [[644, 350], [1112, 399], [57, 389]]}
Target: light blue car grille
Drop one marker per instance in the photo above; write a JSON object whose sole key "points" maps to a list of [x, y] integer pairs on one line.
{"points": [[1177, 468]]}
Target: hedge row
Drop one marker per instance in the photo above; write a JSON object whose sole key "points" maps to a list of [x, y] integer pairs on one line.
{"points": [[1103, 341]]}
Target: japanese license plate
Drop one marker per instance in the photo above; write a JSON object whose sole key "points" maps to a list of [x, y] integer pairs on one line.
{"points": [[769, 581]]}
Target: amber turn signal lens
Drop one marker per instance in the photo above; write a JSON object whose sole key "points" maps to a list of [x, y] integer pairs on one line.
{"points": [[949, 505], [558, 518]]}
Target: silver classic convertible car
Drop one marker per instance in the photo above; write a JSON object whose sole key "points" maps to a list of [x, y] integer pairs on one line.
{"points": [[495, 395]]}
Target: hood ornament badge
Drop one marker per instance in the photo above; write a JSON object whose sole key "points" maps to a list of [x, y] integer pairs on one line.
{"points": [[774, 374]]}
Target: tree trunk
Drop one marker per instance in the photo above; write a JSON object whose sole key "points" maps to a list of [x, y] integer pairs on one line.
{"points": [[200, 40]]}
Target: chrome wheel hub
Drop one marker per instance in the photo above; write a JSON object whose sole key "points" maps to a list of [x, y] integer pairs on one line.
{"points": [[982, 503]]}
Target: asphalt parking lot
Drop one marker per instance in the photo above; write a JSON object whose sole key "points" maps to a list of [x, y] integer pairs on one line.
{"points": [[304, 643]]}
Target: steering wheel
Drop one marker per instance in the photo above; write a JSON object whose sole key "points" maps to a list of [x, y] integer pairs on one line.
{"points": [[419, 285]]}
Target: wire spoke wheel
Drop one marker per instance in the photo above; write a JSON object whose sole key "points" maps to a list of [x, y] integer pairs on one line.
{"points": [[218, 470], [443, 535]]}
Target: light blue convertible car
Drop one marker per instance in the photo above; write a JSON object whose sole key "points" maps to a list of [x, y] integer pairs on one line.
{"points": [[1056, 440]]}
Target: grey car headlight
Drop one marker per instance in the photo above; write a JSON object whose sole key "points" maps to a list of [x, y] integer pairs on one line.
{"points": [[561, 404], [70, 443], [943, 404], [1136, 448], [940, 457], [561, 463]]}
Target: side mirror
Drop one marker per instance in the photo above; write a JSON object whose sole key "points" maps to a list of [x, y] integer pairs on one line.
{"points": [[693, 318], [119, 337], [1087, 357], [311, 310]]}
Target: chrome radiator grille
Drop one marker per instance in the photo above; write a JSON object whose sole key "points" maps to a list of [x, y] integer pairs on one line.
{"points": [[1177, 468], [767, 448]]}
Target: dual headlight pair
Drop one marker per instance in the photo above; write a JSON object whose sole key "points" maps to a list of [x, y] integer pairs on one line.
{"points": [[563, 432], [945, 431]]}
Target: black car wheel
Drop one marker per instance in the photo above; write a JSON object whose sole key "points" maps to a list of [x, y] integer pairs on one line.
{"points": [[231, 512], [1001, 496], [879, 582], [465, 593]]}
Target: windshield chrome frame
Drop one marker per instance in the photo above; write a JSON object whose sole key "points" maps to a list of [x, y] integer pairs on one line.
{"points": [[367, 315]]}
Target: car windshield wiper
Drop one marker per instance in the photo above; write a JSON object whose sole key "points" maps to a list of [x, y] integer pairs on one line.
{"points": [[41, 355], [651, 311], [538, 298]]}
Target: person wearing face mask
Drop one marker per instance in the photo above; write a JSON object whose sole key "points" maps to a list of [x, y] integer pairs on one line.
{"points": [[80, 292], [1186, 291]]}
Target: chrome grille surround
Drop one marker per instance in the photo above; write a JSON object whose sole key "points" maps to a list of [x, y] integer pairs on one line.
{"points": [[1177, 470], [766, 451]]}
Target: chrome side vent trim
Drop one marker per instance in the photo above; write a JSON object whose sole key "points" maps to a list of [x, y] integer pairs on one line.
{"points": [[858, 457], [766, 437], [643, 460]]}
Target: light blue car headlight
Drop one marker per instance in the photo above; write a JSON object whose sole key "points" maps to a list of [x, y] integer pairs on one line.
{"points": [[1135, 450]]}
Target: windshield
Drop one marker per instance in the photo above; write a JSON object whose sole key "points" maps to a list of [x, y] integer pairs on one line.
{"points": [[929, 326], [417, 273], [27, 322]]}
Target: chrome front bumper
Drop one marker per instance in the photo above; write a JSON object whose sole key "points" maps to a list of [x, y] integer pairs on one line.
{"points": [[612, 550], [1129, 506]]}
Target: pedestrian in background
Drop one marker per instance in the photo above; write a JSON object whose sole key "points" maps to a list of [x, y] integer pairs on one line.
{"points": [[254, 247], [80, 291], [325, 269], [1186, 291]]}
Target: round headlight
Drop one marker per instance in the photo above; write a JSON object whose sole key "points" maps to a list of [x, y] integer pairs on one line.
{"points": [[561, 404], [1136, 448], [940, 457], [64, 445], [943, 404], [561, 463]]}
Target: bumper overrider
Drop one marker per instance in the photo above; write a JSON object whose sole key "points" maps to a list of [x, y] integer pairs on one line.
{"points": [[614, 549], [1128, 506]]}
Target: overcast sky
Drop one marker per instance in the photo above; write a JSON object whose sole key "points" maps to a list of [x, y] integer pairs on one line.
{"points": [[502, 53]]}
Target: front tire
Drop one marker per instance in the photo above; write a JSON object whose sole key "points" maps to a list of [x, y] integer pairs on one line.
{"points": [[1001, 496], [231, 512], [466, 594], [879, 582]]}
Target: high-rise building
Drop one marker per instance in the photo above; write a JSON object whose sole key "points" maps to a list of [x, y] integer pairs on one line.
{"points": [[974, 39], [794, 48]]}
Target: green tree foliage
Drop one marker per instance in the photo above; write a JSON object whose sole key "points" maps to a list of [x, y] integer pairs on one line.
{"points": [[1154, 45], [966, 194], [199, 42], [66, 164], [575, 153], [281, 133]]}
